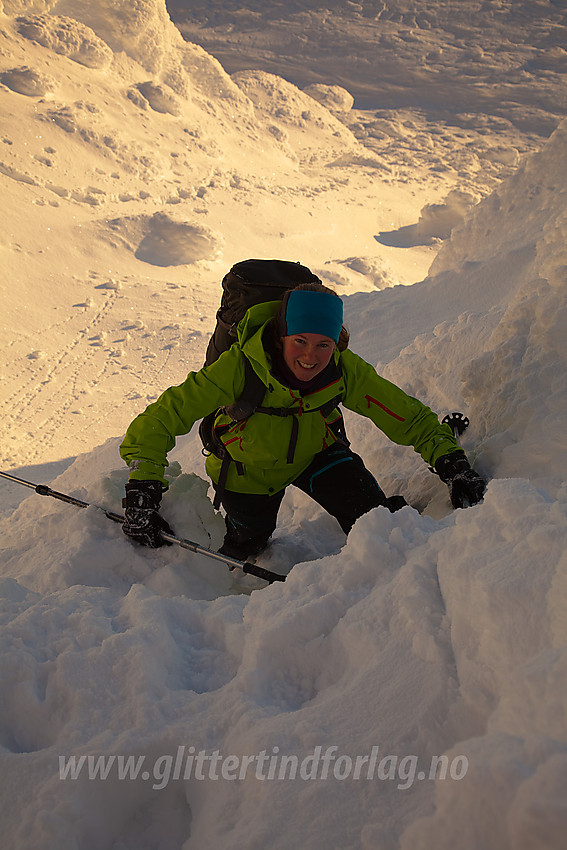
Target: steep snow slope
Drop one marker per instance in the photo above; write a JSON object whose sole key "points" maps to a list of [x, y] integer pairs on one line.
{"points": [[416, 639], [489, 323]]}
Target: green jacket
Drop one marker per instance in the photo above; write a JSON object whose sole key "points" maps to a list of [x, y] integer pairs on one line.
{"points": [[261, 442]]}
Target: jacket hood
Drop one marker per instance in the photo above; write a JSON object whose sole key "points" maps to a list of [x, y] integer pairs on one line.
{"points": [[250, 338], [250, 332]]}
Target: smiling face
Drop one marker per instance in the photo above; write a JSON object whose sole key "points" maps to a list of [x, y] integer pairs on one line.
{"points": [[306, 355]]}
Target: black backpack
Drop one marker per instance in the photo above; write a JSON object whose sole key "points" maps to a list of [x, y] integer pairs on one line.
{"points": [[248, 283]]}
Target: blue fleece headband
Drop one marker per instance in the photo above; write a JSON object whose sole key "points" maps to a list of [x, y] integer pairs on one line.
{"points": [[314, 312]]}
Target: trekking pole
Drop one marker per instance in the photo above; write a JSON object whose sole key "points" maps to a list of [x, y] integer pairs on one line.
{"points": [[250, 569], [457, 422]]}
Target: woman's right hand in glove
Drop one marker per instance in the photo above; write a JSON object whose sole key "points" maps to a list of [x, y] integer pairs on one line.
{"points": [[142, 520]]}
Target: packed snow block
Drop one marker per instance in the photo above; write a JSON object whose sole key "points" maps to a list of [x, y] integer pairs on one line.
{"points": [[364, 273], [67, 37]]}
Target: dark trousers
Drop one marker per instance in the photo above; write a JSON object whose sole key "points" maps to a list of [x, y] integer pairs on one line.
{"points": [[336, 478]]}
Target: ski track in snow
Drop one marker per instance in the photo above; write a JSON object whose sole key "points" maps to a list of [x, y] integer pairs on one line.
{"points": [[88, 356]]}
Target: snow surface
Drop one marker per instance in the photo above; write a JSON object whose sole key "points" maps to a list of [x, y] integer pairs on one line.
{"points": [[135, 171]]}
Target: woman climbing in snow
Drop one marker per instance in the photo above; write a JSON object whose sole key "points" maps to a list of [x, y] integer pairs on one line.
{"points": [[298, 348]]}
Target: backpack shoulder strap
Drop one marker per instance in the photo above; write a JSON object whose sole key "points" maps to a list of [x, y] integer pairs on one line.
{"points": [[252, 395], [241, 408], [249, 403]]}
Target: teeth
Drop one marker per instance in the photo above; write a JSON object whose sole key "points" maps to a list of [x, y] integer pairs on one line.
{"points": [[306, 365]]}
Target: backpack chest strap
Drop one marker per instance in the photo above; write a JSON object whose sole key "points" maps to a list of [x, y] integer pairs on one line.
{"points": [[325, 409], [246, 406]]}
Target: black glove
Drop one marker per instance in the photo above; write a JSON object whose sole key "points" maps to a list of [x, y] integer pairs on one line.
{"points": [[143, 521], [466, 487]]}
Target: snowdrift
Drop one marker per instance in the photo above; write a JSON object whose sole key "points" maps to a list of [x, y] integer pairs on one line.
{"points": [[426, 639], [487, 328]]}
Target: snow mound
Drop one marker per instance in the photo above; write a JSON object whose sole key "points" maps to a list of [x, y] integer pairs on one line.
{"points": [[102, 556], [161, 240], [299, 122], [67, 37], [391, 641], [359, 273], [175, 243], [95, 34], [438, 220], [518, 382], [28, 81], [143, 30], [159, 98], [335, 98], [212, 82]]}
